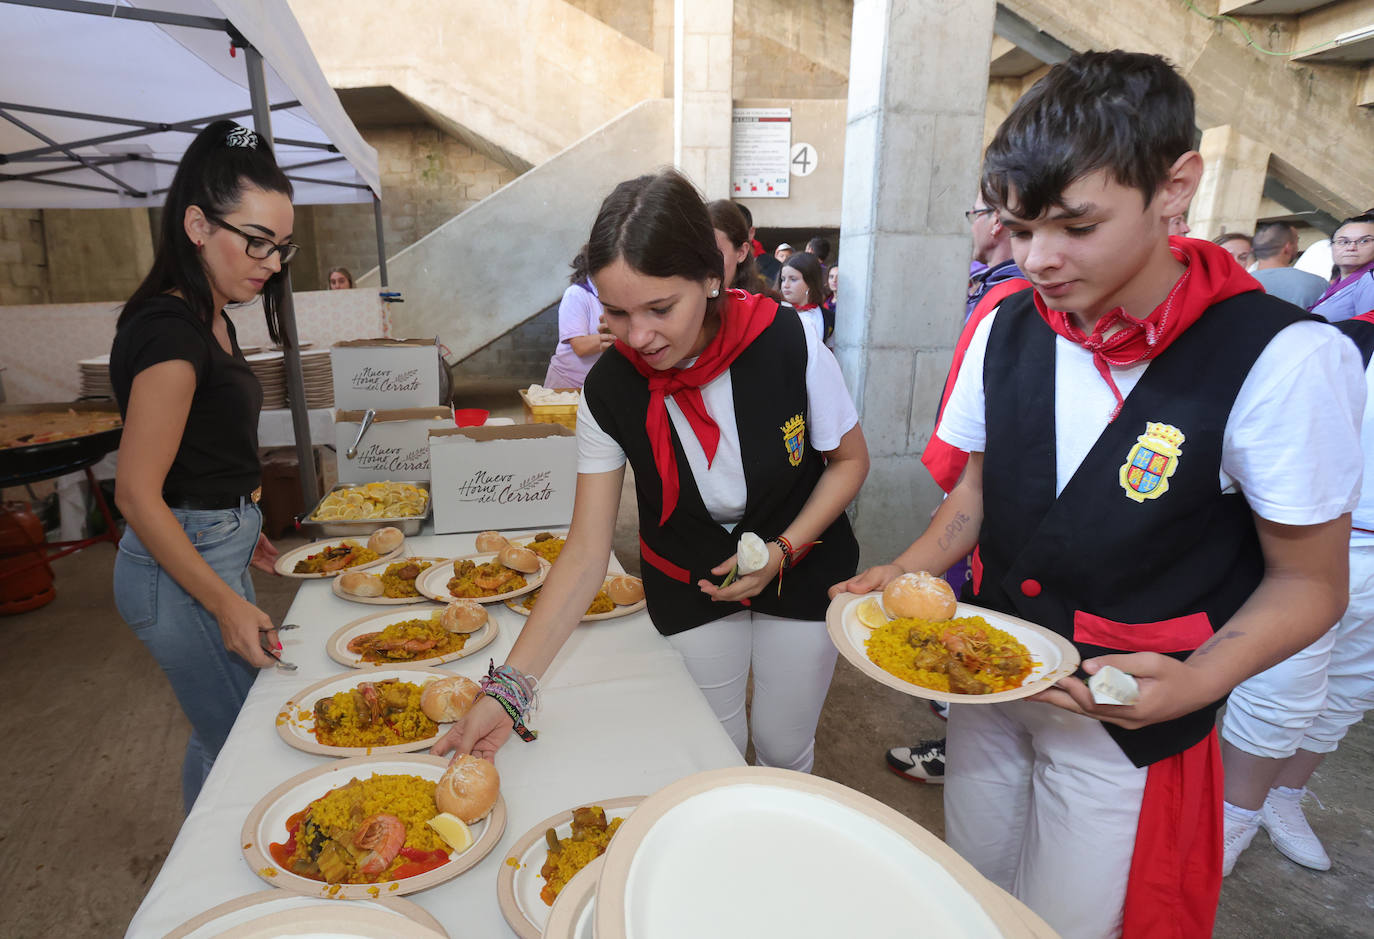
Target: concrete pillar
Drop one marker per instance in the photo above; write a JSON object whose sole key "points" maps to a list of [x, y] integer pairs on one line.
{"points": [[918, 78], [703, 62], [1228, 197]]}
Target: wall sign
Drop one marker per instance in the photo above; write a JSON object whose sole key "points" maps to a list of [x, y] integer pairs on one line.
{"points": [[804, 159], [760, 153]]}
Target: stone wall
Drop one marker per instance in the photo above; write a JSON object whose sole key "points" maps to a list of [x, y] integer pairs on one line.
{"points": [[427, 178], [23, 257], [792, 48], [520, 357], [632, 18]]}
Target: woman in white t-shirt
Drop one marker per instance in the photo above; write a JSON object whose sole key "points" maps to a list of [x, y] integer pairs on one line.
{"points": [[802, 283], [703, 395]]}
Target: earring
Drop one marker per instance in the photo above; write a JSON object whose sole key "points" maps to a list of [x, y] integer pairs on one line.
{"points": [[715, 292]]}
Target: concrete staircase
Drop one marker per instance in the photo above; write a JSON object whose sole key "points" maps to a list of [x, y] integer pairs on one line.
{"points": [[490, 268]]}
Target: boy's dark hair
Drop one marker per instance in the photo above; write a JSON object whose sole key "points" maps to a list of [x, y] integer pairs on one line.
{"points": [[659, 225], [578, 277], [1232, 236], [809, 266], [1127, 113], [820, 247], [748, 216], [1270, 238], [212, 174]]}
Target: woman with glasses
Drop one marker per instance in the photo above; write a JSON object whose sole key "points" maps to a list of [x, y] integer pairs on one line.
{"points": [[188, 462], [1352, 249]]}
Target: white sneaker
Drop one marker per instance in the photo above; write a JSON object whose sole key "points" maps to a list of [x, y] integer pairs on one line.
{"points": [[1283, 818], [1237, 837]]}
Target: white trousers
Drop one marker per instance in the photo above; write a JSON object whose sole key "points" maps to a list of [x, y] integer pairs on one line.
{"points": [[793, 661], [1309, 700], [1044, 804]]}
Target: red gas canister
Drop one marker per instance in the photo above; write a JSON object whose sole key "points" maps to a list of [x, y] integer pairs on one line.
{"points": [[25, 576]]}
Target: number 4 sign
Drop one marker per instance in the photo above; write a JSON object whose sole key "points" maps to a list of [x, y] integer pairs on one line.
{"points": [[804, 159]]}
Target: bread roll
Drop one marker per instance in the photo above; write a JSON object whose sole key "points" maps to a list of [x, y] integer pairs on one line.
{"points": [[463, 616], [518, 559], [361, 584], [449, 699], [625, 590], [919, 596], [468, 789], [385, 540], [491, 541]]}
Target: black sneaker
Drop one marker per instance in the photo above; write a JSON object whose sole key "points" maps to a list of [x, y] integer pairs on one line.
{"points": [[940, 709], [923, 762]]}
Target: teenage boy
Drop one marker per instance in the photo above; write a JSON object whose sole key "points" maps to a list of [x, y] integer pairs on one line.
{"points": [[1162, 465]]}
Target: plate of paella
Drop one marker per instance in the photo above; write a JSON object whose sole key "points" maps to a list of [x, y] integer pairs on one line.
{"points": [[348, 715], [359, 829], [602, 607], [413, 636], [395, 579], [479, 577], [977, 656], [546, 858], [331, 557]]}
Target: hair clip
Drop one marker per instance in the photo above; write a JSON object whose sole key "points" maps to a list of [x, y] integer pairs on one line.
{"points": [[241, 136]]}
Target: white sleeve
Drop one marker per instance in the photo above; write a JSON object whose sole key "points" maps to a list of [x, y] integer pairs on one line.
{"points": [[964, 421], [830, 410], [597, 451], [1292, 441]]}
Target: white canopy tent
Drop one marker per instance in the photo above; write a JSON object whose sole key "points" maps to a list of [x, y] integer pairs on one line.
{"points": [[98, 102]]}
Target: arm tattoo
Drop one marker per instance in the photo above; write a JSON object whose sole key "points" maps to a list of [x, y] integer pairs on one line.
{"points": [[1211, 644], [956, 526]]}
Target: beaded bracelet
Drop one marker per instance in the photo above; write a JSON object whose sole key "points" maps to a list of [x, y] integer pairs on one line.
{"points": [[516, 692]]}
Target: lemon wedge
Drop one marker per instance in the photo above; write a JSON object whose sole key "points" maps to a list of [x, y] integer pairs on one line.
{"points": [[452, 830], [871, 614]]}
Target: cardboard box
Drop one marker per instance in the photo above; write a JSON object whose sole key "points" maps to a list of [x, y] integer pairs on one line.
{"points": [[386, 373], [395, 447], [517, 476]]}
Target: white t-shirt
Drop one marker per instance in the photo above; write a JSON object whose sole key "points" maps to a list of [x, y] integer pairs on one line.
{"points": [[1291, 443], [830, 414], [1364, 512]]}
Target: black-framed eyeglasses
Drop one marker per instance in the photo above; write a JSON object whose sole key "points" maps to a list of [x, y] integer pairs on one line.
{"points": [[257, 247], [972, 214]]}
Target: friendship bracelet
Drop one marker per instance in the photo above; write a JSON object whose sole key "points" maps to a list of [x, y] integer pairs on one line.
{"points": [[786, 547], [516, 692]]}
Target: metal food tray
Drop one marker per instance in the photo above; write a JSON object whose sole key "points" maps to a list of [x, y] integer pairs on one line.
{"points": [[409, 524]]}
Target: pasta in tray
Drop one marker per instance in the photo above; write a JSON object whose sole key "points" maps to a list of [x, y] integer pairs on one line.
{"points": [[372, 500]]}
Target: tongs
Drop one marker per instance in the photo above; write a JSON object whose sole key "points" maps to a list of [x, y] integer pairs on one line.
{"points": [[368, 416]]}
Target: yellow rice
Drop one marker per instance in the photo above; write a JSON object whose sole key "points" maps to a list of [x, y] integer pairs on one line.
{"points": [[401, 727], [400, 588], [888, 647]]}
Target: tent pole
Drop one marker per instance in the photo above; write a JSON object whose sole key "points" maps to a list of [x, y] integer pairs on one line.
{"points": [[295, 378], [381, 239]]}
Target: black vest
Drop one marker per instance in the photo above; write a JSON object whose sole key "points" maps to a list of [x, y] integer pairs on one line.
{"points": [[1361, 332], [1095, 552], [768, 380]]}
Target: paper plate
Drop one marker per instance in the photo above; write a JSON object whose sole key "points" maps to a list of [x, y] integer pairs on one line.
{"points": [[337, 644], [377, 568], [270, 913], [266, 823], [287, 562], [296, 718], [750, 852], [517, 606], [574, 910], [518, 885], [433, 583], [1055, 656]]}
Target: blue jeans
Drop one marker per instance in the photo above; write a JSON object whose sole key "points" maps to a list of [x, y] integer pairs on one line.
{"points": [[210, 682]]}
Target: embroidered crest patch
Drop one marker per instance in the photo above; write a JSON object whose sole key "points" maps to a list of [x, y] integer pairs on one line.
{"points": [[794, 437], [1153, 459]]}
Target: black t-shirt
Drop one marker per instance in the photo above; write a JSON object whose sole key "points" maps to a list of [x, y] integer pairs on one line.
{"points": [[218, 454]]}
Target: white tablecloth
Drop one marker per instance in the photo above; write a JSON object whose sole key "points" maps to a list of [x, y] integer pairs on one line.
{"points": [[619, 716]]}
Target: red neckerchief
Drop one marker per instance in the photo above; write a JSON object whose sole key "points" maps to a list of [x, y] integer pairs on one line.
{"points": [[742, 317], [1212, 275], [805, 307]]}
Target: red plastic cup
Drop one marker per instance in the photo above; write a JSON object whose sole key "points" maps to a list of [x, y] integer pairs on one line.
{"points": [[470, 417]]}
